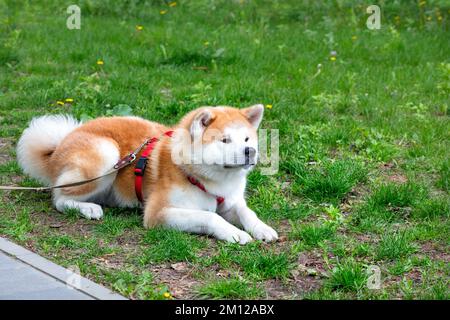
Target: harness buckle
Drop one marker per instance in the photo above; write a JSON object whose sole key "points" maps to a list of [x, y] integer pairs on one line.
{"points": [[139, 169]]}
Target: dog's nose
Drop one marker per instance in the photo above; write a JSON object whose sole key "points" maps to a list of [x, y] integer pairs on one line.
{"points": [[249, 155]]}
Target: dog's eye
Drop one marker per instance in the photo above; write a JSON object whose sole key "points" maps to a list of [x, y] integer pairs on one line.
{"points": [[246, 139], [226, 140]]}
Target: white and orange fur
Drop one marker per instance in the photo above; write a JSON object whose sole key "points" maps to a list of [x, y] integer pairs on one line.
{"points": [[57, 149]]}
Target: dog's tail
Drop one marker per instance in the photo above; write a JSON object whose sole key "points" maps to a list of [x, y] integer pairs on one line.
{"points": [[39, 141]]}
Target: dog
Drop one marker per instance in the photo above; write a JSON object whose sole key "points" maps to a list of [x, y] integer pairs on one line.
{"points": [[193, 179]]}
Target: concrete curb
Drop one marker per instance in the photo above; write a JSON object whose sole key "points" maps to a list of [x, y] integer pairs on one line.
{"points": [[83, 285]]}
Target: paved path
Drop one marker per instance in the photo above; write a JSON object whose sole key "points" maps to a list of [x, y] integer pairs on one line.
{"points": [[25, 275]]}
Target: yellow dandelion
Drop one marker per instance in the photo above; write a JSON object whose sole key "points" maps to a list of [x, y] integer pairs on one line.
{"points": [[333, 58], [167, 295], [59, 102], [69, 100], [100, 62], [354, 38], [139, 28], [206, 43], [163, 12], [439, 18], [172, 4], [269, 106], [428, 18]]}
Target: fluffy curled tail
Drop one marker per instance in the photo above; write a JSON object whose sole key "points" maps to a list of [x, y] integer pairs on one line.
{"points": [[39, 141]]}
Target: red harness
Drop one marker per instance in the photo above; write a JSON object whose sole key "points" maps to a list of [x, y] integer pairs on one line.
{"points": [[141, 164]]}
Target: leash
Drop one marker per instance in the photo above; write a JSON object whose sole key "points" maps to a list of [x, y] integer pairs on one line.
{"points": [[73, 184], [139, 171], [122, 163]]}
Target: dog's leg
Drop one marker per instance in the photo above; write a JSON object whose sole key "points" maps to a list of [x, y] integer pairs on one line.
{"points": [[93, 160], [251, 223], [203, 222], [76, 197], [87, 209]]}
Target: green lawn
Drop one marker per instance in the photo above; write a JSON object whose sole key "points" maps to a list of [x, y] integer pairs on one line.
{"points": [[364, 139]]}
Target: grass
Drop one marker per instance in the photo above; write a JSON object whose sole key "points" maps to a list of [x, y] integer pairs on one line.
{"points": [[169, 245], [20, 227], [363, 175], [331, 183], [312, 235], [432, 208], [444, 179], [394, 246], [389, 203], [116, 223], [256, 261], [398, 196], [348, 276], [230, 289], [138, 286]]}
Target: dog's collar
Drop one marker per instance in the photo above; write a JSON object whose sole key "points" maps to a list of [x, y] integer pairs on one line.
{"points": [[141, 164], [198, 184]]}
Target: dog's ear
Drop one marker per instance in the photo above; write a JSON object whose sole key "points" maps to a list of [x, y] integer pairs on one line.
{"points": [[254, 114], [201, 120]]}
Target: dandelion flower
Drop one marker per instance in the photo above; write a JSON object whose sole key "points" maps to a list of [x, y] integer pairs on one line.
{"points": [[206, 43], [172, 4], [59, 102], [163, 12], [269, 106], [100, 62], [439, 18], [69, 100], [139, 28], [167, 295], [354, 38], [333, 55]]}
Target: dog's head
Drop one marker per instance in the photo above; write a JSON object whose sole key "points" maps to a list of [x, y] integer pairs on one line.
{"points": [[223, 138]]}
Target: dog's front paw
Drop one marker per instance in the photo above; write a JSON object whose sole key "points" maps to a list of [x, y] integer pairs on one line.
{"points": [[91, 211], [263, 232], [235, 236]]}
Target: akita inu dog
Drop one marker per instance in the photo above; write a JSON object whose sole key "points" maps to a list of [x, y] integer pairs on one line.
{"points": [[195, 173]]}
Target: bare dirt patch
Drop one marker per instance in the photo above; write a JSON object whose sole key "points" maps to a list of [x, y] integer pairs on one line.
{"points": [[391, 172], [57, 221], [179, 280], [435, 251]]}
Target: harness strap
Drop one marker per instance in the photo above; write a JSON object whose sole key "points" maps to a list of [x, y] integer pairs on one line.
{"points": [[198, 184], [141, 164]]}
